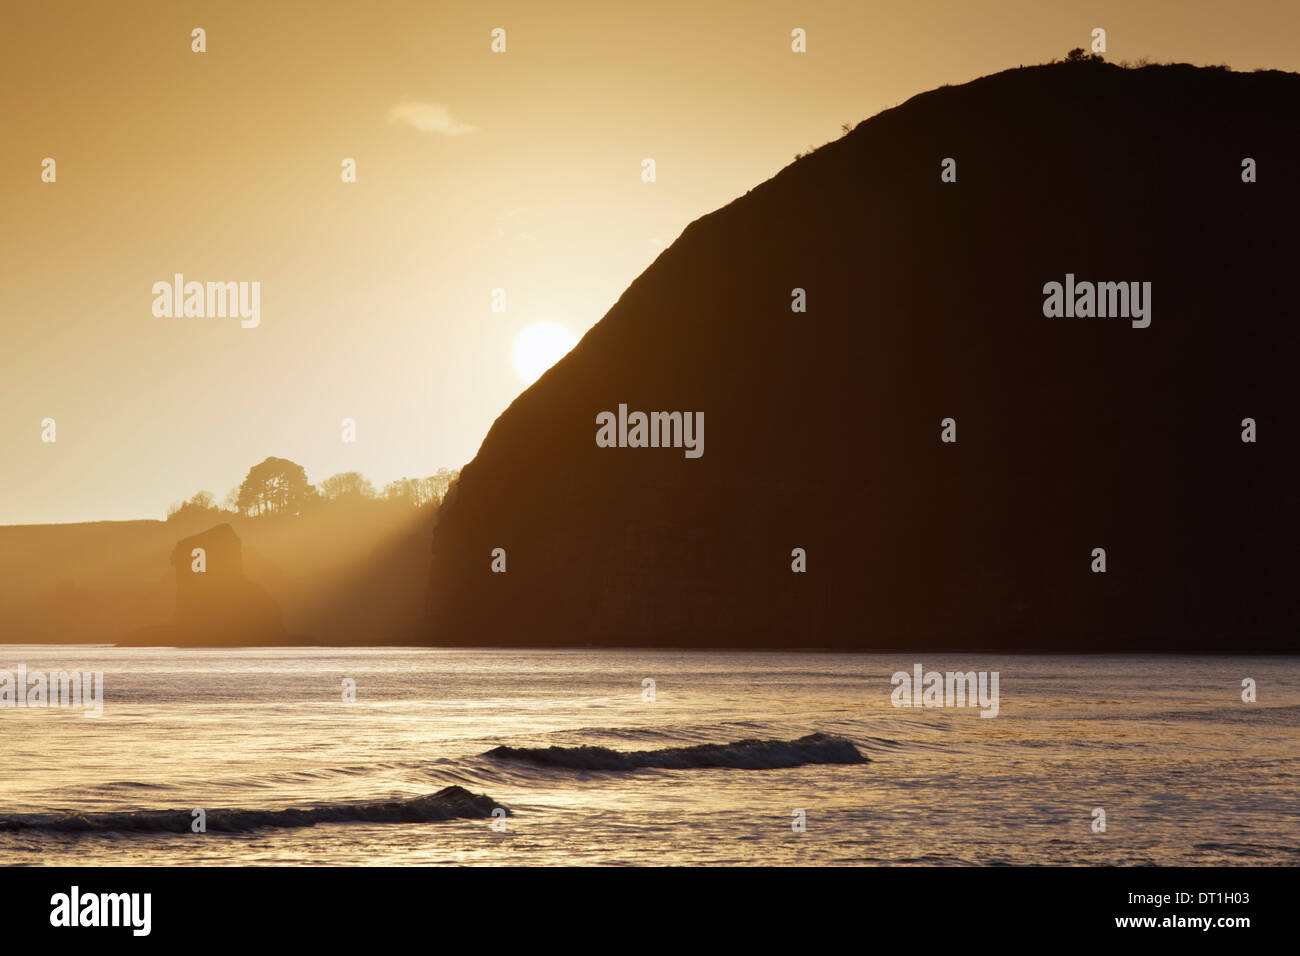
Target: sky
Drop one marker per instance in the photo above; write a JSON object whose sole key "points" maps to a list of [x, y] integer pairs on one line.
{"points": [[475, 171]]}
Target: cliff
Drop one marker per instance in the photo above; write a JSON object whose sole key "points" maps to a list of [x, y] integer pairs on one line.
{"points": [[926, 301]]}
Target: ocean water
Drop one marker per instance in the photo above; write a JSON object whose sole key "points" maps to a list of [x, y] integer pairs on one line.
{"points": [[1185, 771]]}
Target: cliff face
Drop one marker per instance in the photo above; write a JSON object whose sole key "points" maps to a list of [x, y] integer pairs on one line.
{"points": [[925, 301]]}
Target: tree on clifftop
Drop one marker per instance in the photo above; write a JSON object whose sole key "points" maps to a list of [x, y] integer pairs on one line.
{"points": [[276, 486], [347, 485], [203, 503], [1080, 55]]}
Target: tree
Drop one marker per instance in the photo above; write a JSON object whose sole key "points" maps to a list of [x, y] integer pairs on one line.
{"points": [[406, 491], [201, 503], [350, 485], [276, 486], [1080, 55], [437, 485], [418, 492]]}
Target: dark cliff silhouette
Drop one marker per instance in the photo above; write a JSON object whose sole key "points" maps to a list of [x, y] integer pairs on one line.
{"points": [[925, 301]]}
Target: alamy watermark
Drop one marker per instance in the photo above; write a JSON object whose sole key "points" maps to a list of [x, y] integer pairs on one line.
{"points": [[208, 300], [651, 430], [56, 689], [74, 908], [1124, 300], [953, 689]]}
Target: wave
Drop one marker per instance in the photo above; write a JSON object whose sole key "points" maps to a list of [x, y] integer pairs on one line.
{"points": [[740, 754], [447, 804]]}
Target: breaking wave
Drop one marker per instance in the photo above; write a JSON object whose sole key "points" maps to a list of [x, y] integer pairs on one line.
{"points": [[448, 803], [740, 755]]}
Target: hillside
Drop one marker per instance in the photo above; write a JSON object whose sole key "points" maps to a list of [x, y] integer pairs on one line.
{"points": [[339, 577], [925, 301]]}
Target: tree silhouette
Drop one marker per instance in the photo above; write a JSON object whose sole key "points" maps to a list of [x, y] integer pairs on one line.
{"points": [[347, 484], [202, 503], [1080, 55], [276, 486], [418, 492], [408, 491], [436, 486]]}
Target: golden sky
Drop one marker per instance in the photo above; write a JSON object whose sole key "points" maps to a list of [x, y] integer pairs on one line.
{"points": [[475, 171]]}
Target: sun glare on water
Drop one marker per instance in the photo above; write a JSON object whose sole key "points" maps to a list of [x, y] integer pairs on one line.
{"points": [[538, 347]]}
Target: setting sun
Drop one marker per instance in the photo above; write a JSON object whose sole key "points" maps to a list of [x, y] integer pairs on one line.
{"points": [[538, 347]]}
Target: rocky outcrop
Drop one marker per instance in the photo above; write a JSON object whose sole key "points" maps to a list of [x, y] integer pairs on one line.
{"points": [[215, 602]]}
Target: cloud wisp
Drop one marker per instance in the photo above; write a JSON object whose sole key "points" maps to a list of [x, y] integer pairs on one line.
{"points": [[429, 118]]}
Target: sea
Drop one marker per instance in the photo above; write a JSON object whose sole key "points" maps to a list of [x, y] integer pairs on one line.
{"points": [[344, 756]]}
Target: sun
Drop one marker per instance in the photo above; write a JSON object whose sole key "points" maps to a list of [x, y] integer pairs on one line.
{"points": [[538, 347]]}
